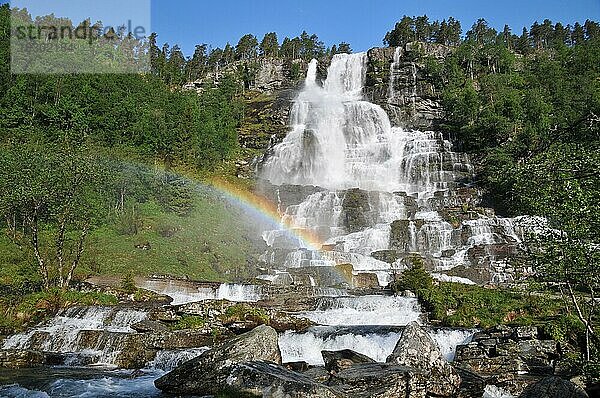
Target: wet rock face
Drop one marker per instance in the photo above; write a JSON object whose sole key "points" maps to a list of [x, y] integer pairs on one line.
{"points": [[208, 374], [21, 359], [356, 206], [336, 361], [377, 380], [416, 349], [403, 88]]}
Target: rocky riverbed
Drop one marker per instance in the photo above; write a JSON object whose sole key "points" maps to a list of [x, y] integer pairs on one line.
{"points": [[267, 345]]}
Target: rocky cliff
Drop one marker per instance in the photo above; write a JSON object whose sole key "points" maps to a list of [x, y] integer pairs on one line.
{"points": [[398, 81]]}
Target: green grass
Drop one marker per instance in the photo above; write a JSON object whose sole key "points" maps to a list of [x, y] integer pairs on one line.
{"points": [[460, 305], [209, 244], [189, 322]]}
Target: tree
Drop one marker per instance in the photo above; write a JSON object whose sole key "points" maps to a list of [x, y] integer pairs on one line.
{"points": [[269, 46], [454, 32], [481, 33], [422, 28], [402, 33], [228, 54], [247, 47], [50, 202], [578, 34], [343, 48], [195, 67], [562, 185]]}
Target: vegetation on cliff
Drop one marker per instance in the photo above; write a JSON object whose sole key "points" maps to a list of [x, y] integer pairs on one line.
{"points": [[526, 107]]}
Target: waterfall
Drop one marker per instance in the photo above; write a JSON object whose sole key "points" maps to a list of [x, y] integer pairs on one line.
{"points": [[392, 84], [376, 343], [365, 310], [340, 143], [169, 359], [183, 292], [96, 332]]}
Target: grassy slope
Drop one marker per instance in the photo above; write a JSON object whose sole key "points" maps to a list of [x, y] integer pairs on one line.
{"points": [[209, 244]]}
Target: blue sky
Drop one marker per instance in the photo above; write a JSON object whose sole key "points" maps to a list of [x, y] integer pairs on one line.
{"points": [[361, 23]]}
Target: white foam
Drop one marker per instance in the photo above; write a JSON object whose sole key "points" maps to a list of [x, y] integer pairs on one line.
{"points": [[365, 310]]}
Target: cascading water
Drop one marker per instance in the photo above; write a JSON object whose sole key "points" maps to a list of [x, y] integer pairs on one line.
{"points": [[69, 333], [365, 310], [376, 343], [341, 143], [182, 292]]}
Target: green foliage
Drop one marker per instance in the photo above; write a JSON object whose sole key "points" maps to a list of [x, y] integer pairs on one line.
{"points": [[411, 29], [245, 313], [415, 279], [53, 198], [564, 328], [460, 305], [189, 322], [128, 284]]}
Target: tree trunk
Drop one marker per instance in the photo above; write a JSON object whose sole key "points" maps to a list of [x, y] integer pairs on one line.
{"points": [[77, 259], [35, 242]]}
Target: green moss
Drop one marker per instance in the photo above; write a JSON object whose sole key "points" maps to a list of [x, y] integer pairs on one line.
{"points": [[189, 322], [245, 313]]}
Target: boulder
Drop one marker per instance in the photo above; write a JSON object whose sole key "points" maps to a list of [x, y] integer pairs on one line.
{"points": [[416, 349], [208, 373], [376, 380], [270, 380], [553, 387], [336, 361]]}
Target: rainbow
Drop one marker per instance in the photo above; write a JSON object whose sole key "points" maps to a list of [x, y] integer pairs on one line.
{"points": [[257, 205]]}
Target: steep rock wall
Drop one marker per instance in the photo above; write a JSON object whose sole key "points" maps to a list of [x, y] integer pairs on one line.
{"points": [[397, 80]]}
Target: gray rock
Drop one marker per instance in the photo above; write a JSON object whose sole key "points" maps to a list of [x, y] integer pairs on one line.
{"points": [[375, 380], [416, 349], [553, 387], [336, 361], [270, 380], [208, 373], [149, 326]]}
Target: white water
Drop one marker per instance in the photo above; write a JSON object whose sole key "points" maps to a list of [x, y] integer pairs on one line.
{"points": [[396, 59], [63, 333], [365, 310], [338, 141], [169, 359], [492, 391], [65, 385], [183, 293], [307, 346]]}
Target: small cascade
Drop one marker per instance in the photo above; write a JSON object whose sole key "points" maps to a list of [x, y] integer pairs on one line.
{"points": [[183, 292], [365, 310], [95, 332], [393, 66], [374, 342], [167, 360]]}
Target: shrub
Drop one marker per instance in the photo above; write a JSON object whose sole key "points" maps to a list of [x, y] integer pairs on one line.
{"points": [[415, 279]]}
